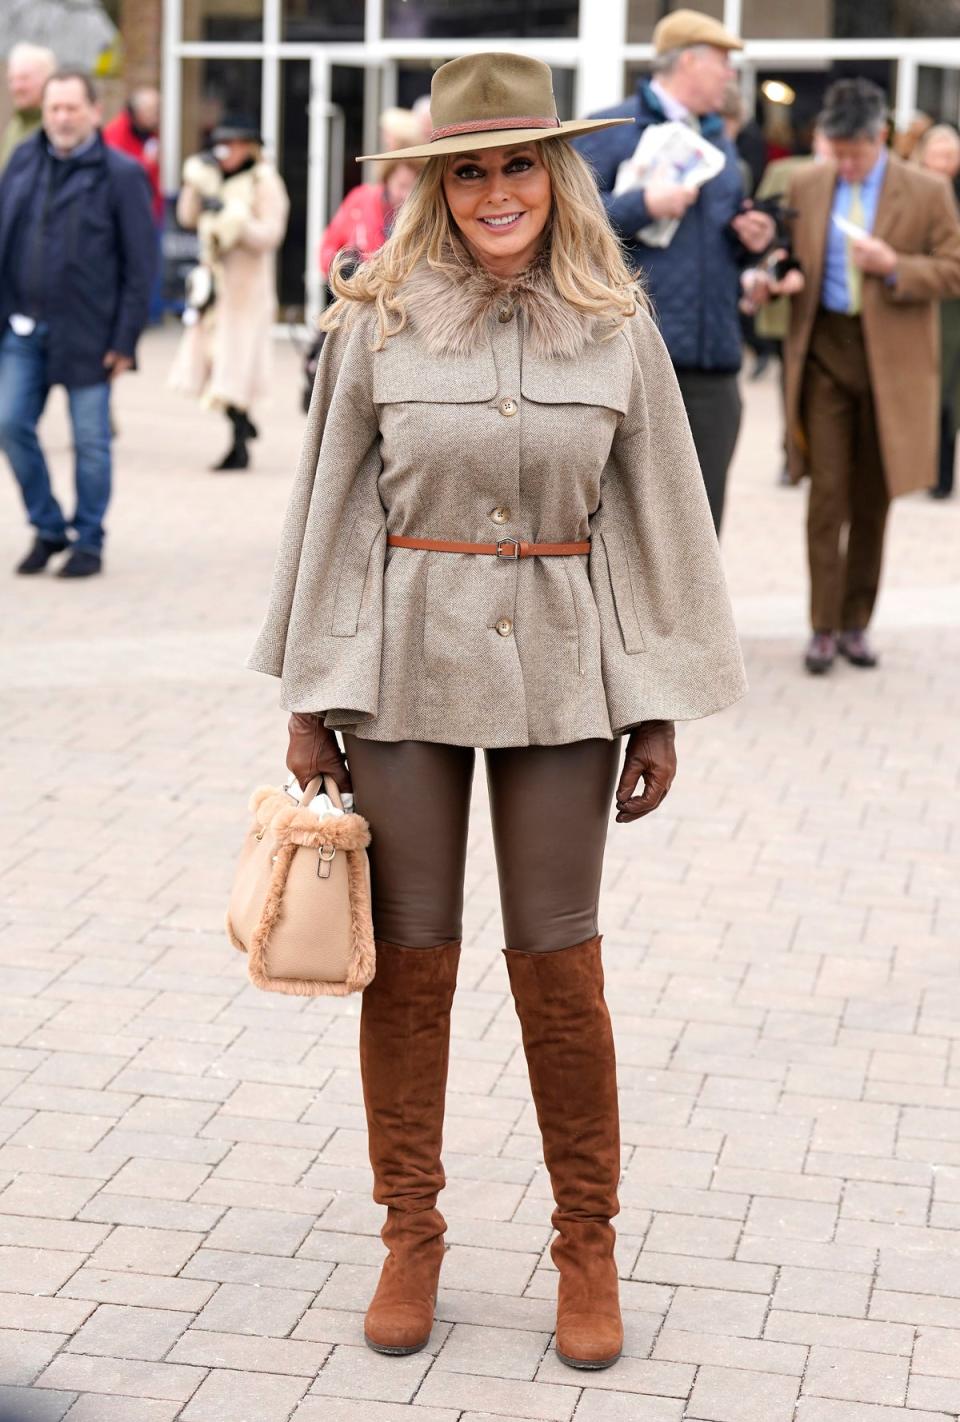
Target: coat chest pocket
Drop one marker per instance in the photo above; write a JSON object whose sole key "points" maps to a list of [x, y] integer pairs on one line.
{"points": [[575, 406], [622, 587], [354, 566]]}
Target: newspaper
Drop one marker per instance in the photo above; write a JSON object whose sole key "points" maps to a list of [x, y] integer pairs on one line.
{"points": [[668, 153]]}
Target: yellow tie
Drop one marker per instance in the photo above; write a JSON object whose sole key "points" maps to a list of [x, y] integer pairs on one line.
{"points": [[854, 274]]}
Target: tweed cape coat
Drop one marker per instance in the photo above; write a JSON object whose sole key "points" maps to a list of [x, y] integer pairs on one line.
{"points": [[498, 412]]}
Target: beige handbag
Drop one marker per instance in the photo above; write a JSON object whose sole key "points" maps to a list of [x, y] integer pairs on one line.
{"points": [[300, 906]]}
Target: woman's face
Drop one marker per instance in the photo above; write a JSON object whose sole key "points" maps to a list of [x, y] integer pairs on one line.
{"points": [[233, 153], [942, 155], [500, 201]]}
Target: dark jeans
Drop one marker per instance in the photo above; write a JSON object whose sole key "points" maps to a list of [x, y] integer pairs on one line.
{"points": [[713, 405], [23, 394], [550, 807]]}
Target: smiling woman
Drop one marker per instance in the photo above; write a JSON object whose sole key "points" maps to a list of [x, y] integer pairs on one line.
{"points": [[498, 538], [500, 200]]}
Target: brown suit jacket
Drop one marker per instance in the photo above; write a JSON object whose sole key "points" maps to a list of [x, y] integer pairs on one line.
{"points": [[917, 215]]}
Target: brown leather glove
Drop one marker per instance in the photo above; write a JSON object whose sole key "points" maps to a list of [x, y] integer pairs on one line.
{"points": [[651, 753], [314, 750]]}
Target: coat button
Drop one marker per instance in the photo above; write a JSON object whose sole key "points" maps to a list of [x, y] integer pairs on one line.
{"points": [[505, 313], [504, 627], [500, 515], [508, 406]]}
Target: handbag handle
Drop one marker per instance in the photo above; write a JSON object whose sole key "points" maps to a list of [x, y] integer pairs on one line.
{"points": [[314, 787]]}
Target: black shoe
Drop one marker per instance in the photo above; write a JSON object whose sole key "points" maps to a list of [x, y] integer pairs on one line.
{"points": [[760, 365], [820, 654], [939, 493], [82, 563], [40, 554], [236, 457], [857, 650]]}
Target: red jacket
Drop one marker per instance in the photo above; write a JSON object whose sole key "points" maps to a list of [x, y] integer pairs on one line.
{"points": [[119, 133], [360, 221]]}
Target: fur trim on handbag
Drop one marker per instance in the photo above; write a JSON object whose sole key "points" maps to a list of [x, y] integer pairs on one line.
{"points": [[289, 824], [292, 828]]}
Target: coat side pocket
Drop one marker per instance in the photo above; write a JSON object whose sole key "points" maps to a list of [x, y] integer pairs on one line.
{"points": [[354, 565], [565, 564], [621, 583]]}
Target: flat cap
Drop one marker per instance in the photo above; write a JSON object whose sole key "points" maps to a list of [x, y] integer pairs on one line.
{"points": [[683, 28]]}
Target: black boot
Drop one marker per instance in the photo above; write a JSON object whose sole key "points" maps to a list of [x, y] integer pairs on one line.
{"points": [[82, 563], [40, 554], [243, 420], [237, 456]]}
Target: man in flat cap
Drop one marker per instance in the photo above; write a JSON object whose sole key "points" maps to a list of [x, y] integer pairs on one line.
{"points": [[694, 281]]}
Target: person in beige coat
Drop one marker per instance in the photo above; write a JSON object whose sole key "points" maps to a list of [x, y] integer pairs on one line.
{"points": [[498, 537], [238, 203]]}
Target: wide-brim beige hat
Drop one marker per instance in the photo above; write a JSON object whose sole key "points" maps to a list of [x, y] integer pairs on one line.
{"points": [[489, 100]]}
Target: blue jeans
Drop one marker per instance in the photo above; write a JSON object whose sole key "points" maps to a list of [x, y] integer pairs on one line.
{"points": [[23, 393]]}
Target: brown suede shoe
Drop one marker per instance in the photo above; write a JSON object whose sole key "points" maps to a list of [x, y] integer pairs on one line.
{"points": [[404, 1048], [568, 1043]]}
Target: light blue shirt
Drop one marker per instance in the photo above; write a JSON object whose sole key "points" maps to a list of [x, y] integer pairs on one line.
{"points": [[674, 110], [835, 292]]}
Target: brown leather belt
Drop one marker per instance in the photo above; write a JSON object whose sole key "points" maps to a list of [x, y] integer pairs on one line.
{"points": [[509, 548]]}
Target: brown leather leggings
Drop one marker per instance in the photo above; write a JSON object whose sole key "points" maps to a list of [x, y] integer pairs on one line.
{"points": [[550, 807]]}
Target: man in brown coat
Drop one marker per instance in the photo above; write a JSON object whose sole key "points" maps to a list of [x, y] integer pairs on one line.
{"points": [[879, 245]]}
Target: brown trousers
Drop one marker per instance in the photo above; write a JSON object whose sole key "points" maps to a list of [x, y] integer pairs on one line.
{"points": [[550, 807], [847, 513]]}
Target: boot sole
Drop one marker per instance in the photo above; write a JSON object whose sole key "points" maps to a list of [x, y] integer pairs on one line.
{"points": [[392, 1351], [591, 1366]]}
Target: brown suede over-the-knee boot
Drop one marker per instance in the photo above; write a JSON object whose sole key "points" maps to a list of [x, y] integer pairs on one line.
{"points": [[568, 1043], [404, 1049]]}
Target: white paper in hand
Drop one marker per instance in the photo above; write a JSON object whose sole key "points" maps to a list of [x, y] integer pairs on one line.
{"points": [[668, 153], [849, 229]]}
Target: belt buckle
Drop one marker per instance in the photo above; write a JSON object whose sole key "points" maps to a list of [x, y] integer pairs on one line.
{"points": [[514, 543]]}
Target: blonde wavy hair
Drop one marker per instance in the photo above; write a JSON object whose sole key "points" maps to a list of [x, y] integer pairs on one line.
{"points": [[586, 261]]}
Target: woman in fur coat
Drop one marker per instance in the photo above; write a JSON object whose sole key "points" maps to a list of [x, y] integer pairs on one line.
{"points": [[238, 204], [498, 537]]}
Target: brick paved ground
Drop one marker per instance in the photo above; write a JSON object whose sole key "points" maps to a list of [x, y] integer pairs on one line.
{"points": [[185, 1221]]}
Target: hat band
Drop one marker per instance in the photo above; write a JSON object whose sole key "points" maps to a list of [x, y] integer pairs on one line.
{"points": [[452, 130]]}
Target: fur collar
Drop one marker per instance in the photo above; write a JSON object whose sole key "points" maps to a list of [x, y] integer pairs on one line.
{"points": [[451, 312]]}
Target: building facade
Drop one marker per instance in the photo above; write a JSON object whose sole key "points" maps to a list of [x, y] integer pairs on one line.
{"points": [[316, 73]]}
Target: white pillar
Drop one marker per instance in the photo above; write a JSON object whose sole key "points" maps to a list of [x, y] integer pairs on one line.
{"points": [[371, 109], [733, 15], [906, 102], [270, 77], [373, 21], [747, 75], [318, 167], [599, 76], [171, 93]]}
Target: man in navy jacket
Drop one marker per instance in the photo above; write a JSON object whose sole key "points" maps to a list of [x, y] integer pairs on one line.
{"points": [[77, 257], [694, 282]]}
